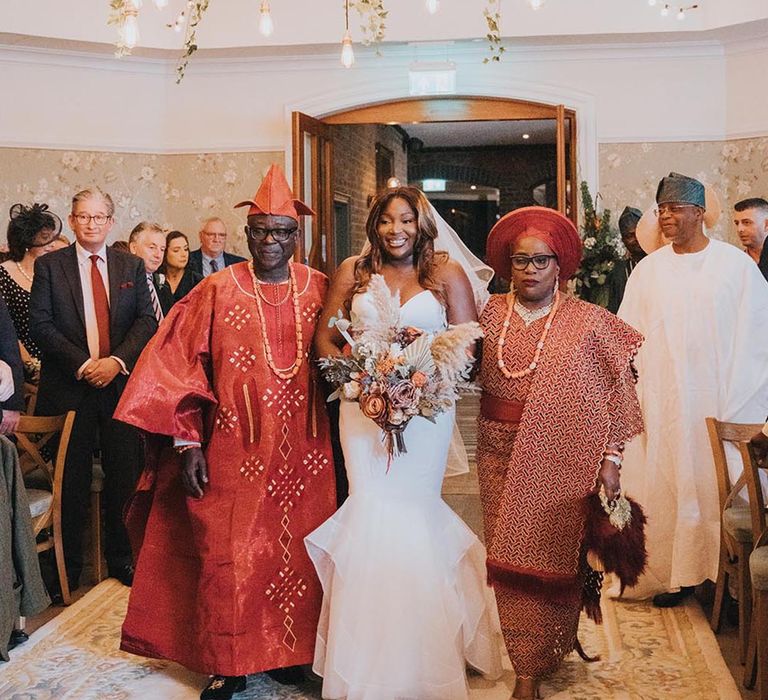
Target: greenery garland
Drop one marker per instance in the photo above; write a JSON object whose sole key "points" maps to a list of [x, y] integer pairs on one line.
{"points": [[492, 14], [374, 27], [196, 13], [372, 13]]}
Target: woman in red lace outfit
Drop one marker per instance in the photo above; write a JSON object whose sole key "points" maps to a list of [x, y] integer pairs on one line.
{"points": [[558, 405]]}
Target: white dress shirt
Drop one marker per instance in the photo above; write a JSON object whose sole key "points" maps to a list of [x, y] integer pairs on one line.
{"points": [[207, 263]]}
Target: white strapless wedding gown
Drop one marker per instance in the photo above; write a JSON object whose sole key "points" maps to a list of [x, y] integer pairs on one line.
{"points": [[406, 606]]}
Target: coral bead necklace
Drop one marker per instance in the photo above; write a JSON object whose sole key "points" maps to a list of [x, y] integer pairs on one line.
{"points": [[293, 291], [539, 346]]}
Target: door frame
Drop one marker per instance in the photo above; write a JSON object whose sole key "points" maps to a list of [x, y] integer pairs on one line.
{"points": [[485, 85]]}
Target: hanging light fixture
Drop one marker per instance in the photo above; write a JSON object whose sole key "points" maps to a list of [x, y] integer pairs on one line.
{"points": [[347, 52], [665, 10], [432, 6], [130, 28], [266, 26]]}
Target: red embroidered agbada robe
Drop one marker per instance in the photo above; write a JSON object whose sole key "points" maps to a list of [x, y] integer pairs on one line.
{"points": [[224, 584], [538, 463]]}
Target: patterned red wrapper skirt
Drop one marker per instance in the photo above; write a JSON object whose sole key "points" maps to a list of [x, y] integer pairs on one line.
{"points": [[539, 622]]}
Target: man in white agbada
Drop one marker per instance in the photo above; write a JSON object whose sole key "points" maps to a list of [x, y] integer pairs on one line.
{"points": [[702, 306]]}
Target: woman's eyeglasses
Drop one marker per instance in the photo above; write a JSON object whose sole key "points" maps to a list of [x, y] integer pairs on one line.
{"points": [[540, 262]]}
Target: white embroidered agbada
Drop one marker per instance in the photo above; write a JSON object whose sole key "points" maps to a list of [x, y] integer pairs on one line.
{"points": [[705, 321]]}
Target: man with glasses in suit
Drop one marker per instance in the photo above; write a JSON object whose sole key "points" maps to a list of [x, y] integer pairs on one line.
{"points": [[91, 315], [211, 257]]}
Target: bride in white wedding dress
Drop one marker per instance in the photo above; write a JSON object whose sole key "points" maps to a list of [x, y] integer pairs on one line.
{"points": [[406, 606]]}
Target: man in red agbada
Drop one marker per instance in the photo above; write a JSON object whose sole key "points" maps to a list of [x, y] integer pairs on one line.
{"points": [[223, 584]]}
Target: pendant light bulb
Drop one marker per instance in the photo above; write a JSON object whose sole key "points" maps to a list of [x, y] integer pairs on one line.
{"points": [[347, 52], [665, 10], [130, 30], [266, 26], [681, 14], [432, 6]]}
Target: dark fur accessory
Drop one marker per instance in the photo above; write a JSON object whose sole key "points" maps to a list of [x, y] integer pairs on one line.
{"points": [[612, 548]]}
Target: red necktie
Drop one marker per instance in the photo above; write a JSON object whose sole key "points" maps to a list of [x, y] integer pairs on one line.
{"points": [[101, 306]]}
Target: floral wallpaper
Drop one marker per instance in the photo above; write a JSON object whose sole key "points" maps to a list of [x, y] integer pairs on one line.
{"points": [[180, 190], [177, 191], [737, 169]]}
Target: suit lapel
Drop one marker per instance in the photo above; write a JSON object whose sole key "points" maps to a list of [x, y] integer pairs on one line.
{"points": [[113, 270], [71, 269]]}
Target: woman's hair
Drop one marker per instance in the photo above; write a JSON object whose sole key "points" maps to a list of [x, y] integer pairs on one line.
{"points": [[425, 259], [172, 236], [25, 224]]}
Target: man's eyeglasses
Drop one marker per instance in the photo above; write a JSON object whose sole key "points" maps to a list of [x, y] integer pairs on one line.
{"points": [[85, 219], [214, 234], [540, 262], [281, 235], [673, 208]]}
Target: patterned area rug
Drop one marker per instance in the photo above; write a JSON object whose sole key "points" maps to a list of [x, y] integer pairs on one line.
{"points": [[645, 653]]}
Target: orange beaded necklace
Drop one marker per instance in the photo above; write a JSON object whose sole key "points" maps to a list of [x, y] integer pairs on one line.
{"points": [[293, 292], [539, 346]]}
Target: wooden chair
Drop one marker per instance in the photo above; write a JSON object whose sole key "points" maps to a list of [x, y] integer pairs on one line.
{"points": [[757, 654], [736, 538], [33, 435], [30, 398]]}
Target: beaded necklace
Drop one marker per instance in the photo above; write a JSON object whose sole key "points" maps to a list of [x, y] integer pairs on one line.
{"points": [[22, 271], [293, 292], [272, 284], [539, 346]]}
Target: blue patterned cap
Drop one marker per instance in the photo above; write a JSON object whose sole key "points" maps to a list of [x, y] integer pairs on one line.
{"points": [[680, 188], [629, 218]]}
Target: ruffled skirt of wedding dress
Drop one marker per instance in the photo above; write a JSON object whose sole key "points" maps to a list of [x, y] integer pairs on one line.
{"points": [[406, 606]]}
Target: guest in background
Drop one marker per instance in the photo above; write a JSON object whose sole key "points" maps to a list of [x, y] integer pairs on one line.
{"points": [[61, 241], [122, 246], [11, 374], [620, 274], [178, 275], [32, 232], [751, 221], [210, 257], [147, 241], [91, 316], [701, 305]]}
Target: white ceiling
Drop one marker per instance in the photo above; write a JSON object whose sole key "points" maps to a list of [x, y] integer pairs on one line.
{"points": [[231, 24]]}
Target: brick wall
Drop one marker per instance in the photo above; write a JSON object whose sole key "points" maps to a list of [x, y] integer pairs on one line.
{"points": [[354, 168]]}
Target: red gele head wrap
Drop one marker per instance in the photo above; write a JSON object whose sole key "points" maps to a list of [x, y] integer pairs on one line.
{"points": [[548, 225], [275, 197]]}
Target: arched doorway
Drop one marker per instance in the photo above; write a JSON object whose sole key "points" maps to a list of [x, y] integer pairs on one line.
{"points": [[312, 146]]}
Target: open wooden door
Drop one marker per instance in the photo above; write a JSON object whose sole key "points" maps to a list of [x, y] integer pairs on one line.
{"points": [[313, 184]]}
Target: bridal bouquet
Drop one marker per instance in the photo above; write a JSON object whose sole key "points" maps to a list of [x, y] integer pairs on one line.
{"points": [[395, 372]]}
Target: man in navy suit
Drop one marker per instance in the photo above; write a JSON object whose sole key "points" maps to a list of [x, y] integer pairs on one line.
{"points": [[147, 241], [210, 257], [91, 315]]}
